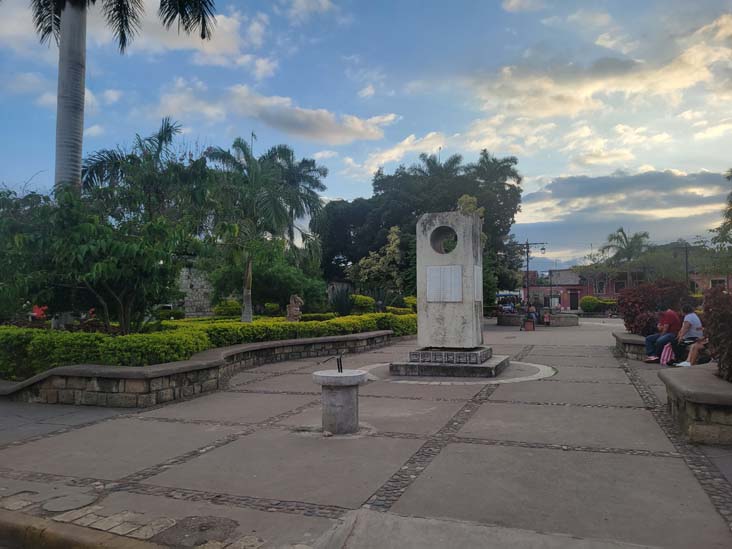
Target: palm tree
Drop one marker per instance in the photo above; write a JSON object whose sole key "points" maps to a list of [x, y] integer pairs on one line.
{"points": [[65, 20], [253, 204], [302, 180], [625, 248]]}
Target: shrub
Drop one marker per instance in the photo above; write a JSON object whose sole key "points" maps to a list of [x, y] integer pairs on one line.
{"points": [[399, 310], [228, 307], [317, 316], [363, 304], [639, 305], [340, 301], [718, 327], [411, 302], [589, 304], [169, 314], [271, 309], [155, 348], [14, 352]]}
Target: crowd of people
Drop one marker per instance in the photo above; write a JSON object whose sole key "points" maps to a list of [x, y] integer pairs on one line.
{"points": [[678, 342]]}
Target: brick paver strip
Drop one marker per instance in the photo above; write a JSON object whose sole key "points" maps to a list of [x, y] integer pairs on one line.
{"points": [[386, 496], [714, 483]]}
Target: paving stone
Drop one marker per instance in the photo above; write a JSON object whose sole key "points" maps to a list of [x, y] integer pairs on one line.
{"points": [[575, 373], [111, 450], [572, 393], [287, 382], [388, 414], [115, 520], [637, 499], [237, 407], [413, 390], [244, 377], [570, 425], [153, 528], [88, 519], [69, 503], [342, 471], [71, 516], [124, 528], [576, 361]]}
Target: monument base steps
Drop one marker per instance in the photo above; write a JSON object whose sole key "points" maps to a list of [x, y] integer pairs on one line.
{"points": [[490, 368]]}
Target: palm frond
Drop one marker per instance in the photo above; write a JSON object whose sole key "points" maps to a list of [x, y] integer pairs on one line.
{"points": [[189, 15], [123, 17], [103, 168], [47, 18]]}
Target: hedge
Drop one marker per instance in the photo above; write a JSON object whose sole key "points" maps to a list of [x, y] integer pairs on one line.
{"points": [[399, 310], [25, 352], [363, 304]]}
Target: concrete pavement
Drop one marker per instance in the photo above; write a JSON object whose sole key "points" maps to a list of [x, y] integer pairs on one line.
{"points": [[584, 458]]}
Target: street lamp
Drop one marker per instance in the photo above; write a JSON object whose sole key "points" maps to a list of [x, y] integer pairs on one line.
{"points": [[528, 246]]}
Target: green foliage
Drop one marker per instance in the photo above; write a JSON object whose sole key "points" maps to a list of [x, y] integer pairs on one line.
{"points": [[25, 352], [169, 314], [589, 304], [271, 309], [349, 231], [718, 327], [317, 316], [381, 269], [341, 302], [363, 304], [227, 307], [625, 247], [639, 306], [411, 302], [400, 310]]}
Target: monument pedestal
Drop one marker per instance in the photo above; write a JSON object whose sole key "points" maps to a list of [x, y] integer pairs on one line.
{"points": [[441, 362]]}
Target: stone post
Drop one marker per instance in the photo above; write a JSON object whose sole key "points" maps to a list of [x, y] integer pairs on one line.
{"points": [[340, 399]]}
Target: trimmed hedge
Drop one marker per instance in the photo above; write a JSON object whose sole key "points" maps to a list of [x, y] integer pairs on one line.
{"points": [[25, 352], [363, 304], [399, 310], [317, 316], [228, 307]]}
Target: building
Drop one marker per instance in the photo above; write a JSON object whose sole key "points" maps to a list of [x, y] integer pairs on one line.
{"points": [[565, 287]]}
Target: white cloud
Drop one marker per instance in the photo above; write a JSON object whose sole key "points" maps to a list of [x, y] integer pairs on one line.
{"points": [[522, 5], [264, 67], [690, 115], [430, 143], [47, 99], [367, 91], [111, 96], [94, 131], [316, 124], [504, 134], [617, 42], [715, 131], [639, 136], [570, 90], [184, 101], [322, 155], [26, 82], [300, 11], [587, 18]]}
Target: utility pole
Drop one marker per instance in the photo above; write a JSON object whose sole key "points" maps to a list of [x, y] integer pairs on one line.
{"points": [[528, 246], [686, 263]]}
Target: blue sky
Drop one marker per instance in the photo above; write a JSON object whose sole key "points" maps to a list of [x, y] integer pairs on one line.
{"points": [[620, 112]]}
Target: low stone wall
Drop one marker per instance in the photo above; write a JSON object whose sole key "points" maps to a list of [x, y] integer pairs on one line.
{"points": [[630, 345], [700, 402], [561, 320], [141, 387], [510, 319]]}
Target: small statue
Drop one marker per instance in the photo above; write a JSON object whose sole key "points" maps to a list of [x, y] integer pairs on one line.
{"points": [[293, 309]]}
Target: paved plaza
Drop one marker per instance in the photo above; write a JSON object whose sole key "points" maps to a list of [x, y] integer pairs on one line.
{"points": [[570, 448]]}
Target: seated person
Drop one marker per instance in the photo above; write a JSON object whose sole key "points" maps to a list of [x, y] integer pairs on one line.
{"points": [[690, 331], [698, 353], [669, 325]]}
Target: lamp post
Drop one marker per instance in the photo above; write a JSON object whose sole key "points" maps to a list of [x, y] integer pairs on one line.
{"points": [[528, 246]]}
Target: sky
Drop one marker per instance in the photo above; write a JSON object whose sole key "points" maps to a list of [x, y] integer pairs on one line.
{"points": [[619, 112]]}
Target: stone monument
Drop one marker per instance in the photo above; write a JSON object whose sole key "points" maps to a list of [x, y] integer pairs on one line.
{"points": [[450, 301], [293, 308]]}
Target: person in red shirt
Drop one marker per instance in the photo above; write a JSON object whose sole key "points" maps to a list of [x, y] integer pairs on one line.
{"points": [[669, 324]]}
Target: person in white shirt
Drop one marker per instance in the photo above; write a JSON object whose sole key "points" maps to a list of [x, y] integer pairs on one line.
{"points": [[691, 331]]}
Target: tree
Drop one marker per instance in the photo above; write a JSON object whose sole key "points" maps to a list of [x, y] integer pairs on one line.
{"points": [[625, 248], [254, 202], [65, 20], [381, 270]]}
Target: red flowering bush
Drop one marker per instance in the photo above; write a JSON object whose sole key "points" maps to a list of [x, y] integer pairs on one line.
{"points": [[639, 306], [718, 328]]}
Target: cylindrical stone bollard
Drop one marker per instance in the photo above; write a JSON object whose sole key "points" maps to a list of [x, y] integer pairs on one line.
{"points": [[340, 399]]}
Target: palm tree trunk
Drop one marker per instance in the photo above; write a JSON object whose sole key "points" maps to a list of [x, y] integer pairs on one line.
{"points": [[246, 305], [70, 96]]}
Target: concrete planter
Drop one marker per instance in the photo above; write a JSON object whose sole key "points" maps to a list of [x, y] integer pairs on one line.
{"points": [[700, 402], [630, 345]]}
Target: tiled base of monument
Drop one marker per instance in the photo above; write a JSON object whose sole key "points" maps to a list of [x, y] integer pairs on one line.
{"points": [[477, 362]]}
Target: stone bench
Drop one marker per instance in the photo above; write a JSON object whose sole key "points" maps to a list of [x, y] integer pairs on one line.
{"points": [[144, 386], [630, 345], [700, 402]]}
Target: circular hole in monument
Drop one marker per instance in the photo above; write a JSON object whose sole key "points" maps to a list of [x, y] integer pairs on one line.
{"points": [[443, 239]]}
